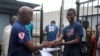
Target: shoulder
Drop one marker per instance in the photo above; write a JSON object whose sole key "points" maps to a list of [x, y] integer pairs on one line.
{"points": [[78, 25], [65, 27], [47, 25], [31, 24], [17, 26], [56, 26], [7, 27]]}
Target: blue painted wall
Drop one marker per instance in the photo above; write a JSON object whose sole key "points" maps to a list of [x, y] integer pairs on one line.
{"points": [[4, 21]]}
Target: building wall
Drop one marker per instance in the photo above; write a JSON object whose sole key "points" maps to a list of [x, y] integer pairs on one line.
{"points": [[4, 21]]}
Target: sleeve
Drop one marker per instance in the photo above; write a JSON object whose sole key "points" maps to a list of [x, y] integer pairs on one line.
{"points": [[23, 36], [63, 32], [32, 25], [57, 28], [79, 30], [46, 28]]}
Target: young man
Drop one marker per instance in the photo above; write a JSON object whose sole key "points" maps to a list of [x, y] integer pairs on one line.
{"points": [[20, 43], [30, 28], [89, 33], [71, 34], [98, 39], [6, 35], [52, 31]]}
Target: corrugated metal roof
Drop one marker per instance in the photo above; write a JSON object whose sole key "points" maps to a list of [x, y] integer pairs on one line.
{"points": [[9, 5]]}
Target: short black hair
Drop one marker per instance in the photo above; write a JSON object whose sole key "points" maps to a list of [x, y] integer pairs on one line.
{"points": [[13, 19], [53, 22], [85, 22], [72, 9]]}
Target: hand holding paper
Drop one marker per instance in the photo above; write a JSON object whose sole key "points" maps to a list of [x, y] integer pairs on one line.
{"points": [[46, 51], [43, 53], [46, 44]]}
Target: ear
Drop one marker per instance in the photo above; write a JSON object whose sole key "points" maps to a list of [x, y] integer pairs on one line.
{"points": [[24, 15], [75, 14]]}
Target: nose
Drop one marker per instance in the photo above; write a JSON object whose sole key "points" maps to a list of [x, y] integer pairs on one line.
{"points": [[68, 17]]}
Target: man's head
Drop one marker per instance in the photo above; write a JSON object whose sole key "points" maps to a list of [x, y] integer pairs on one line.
{"points": [[71, 15], [85, 24], [25, 14], [13, 19], [53, 22], [97, 25]]}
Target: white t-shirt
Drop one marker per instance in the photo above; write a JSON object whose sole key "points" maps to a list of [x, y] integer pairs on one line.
{"points": [[6, 36], [84, 35]]}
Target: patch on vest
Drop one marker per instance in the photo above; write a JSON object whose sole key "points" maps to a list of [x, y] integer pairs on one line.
{"points": [[21, 35]]}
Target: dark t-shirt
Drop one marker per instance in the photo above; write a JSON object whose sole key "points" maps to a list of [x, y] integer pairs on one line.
{"points": [[52, 31], [19, 35], [69, 32]]}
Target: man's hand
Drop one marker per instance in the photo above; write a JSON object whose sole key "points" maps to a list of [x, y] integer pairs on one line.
{"points": [[46, 44], [52, 43], [55, 43]]}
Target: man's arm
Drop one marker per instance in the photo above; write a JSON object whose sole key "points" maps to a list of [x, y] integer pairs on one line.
{"points": [[57, 41], [32, 46], [59, 38], [78, 33], [72, 42], [24, 38], [57, 34]]}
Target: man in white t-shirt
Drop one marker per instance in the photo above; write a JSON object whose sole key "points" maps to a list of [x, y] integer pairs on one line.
{"points": [[6, 35]]}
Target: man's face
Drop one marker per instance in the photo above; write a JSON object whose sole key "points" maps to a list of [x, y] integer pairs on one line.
{"points": [[70, 16], [13, 19], [85, 25], [28, 17]]}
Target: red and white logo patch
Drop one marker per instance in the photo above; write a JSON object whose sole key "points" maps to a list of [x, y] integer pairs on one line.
{"points": [[21, 35]]}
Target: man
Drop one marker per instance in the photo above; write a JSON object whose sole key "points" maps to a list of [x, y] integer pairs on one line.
{"points": [[89, 29], [83, 42], [89, 33], [97, 31], [52, 31], [20, 43], [98, 39], [29, 28], [6, 35], [71, 34]]}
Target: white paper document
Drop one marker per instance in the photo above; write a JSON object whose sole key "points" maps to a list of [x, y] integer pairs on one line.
{"points": [[50, 49], [43, 53], [46, 51]]}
